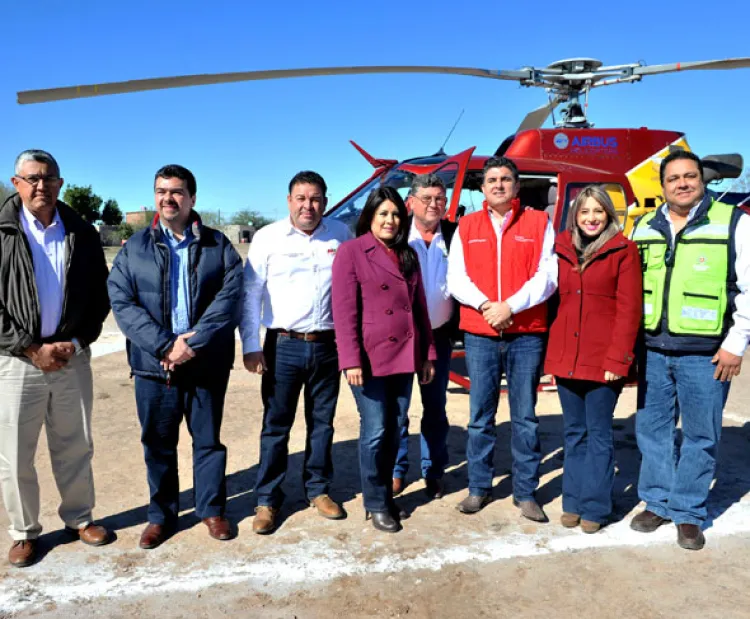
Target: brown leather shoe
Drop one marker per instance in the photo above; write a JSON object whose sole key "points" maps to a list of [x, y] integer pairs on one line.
{"points": [[398, 486], [647, 522], [327, 507], [474, 503], [154, 535], [589, 526], [218, 527], [23, 553], [92, 534], [265, 519], [690, 537], [570, 520], [531, 510]]}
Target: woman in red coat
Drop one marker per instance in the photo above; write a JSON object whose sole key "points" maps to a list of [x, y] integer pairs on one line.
{"points": [[384, 338], [590, 349]]}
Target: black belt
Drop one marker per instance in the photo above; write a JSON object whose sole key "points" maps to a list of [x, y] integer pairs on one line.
{"points": [[314, 336]]}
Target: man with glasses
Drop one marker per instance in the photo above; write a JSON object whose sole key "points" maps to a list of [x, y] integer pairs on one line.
{"points": [[288, 291], [430, 236], [53, 302]]}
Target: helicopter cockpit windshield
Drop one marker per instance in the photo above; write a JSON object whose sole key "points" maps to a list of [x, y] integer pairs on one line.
{"points": [[537, 190], [400, 179]]}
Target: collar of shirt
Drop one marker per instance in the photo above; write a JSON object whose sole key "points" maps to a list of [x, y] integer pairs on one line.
{"points": [[321, 227], [691, 214], [499, 222], [173, 239], [416, 235], [34, 224]]}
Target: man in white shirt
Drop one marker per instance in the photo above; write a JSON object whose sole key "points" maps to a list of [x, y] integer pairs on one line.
{"points": [[430, 237], [502, 269], [695, 254], [288, 291]]}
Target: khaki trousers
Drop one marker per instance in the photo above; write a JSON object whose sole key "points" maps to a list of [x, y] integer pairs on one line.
{"points": [[62, 402]]}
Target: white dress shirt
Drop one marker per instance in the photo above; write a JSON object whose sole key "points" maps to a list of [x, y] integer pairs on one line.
{"points": [[48, 254], [288, 279], [738, 335], [535, 291], [433, 262]]}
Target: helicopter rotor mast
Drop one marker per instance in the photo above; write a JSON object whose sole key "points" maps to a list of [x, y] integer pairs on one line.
{"points": [[564, 80]]}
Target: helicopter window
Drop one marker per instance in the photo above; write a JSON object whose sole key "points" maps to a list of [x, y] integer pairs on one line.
{"points": [[349, 211], [537, 191], [399, 179]]}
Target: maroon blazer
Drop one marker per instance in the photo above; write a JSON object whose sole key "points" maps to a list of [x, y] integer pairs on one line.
{"points": [[381, 318], [600, 311]]}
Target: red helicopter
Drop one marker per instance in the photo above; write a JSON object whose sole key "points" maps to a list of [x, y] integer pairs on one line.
{"points": [[554, 164]]}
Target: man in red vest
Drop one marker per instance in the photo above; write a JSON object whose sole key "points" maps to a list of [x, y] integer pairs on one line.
{"points": [[502, 269]]}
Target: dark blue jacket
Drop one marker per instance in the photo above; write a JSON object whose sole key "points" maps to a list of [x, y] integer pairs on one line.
{"points": [[139, 290]]}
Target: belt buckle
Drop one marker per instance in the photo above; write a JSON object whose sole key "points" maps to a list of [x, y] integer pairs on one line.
{"points": [[308, 337]]}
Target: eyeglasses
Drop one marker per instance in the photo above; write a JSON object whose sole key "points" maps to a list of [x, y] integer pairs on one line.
{"points": [[35, 180], [427, 201]]}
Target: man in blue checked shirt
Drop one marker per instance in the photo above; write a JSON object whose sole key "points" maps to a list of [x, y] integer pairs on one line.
{"points": [[179, 319]]}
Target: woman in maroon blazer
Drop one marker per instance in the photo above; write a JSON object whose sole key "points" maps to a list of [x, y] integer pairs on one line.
{"points": [[383, 336], [590, 349]]}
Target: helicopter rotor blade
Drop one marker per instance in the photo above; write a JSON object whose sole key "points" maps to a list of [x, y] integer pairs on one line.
{"points": [[536, 118], [160, 83], [729, 63]]}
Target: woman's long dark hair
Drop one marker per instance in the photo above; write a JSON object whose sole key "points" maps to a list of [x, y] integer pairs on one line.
{"points": [[400, 244]]}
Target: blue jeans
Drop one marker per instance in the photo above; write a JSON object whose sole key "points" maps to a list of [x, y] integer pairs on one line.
{"points": [[434, 424], [520, 357], [589, 465], [676, 473], [381, 402], [292, 365], [160, 411]]}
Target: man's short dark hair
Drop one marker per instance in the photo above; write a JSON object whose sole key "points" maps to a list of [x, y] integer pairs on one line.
{"points": [[674, 156], [500, 162], [177, 171], [308, 177]]}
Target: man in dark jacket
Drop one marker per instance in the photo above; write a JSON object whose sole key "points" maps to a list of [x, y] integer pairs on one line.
{"points": [[53, 302], [176, 292]]}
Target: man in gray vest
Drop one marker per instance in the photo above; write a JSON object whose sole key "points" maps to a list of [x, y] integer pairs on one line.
{"points": [[695, 255]]}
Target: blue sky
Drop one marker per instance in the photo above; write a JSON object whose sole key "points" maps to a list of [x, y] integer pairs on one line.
{"points": [[245, 141]]}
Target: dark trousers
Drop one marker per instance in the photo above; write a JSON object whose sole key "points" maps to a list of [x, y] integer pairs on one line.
{"points": [[381, 402], [434, 425], [293, 365], [160, 411], [589, 464]]}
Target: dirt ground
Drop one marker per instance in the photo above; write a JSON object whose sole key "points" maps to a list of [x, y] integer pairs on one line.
{"points": [[443, 564]]}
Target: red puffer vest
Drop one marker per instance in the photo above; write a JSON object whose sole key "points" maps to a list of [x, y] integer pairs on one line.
{"points": [[521, 249]]}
